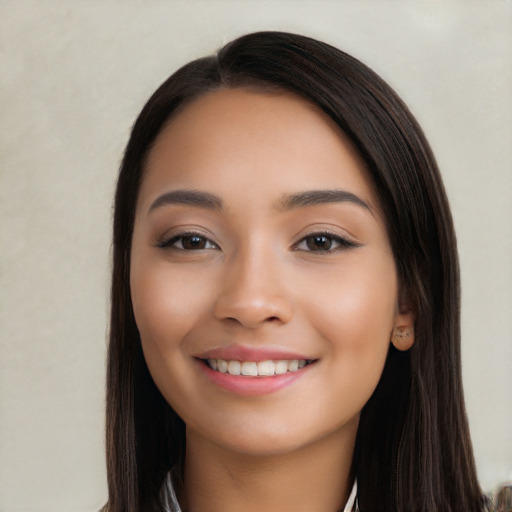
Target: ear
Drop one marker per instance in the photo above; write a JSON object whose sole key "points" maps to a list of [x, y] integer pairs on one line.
{"points": [[402, 335]]}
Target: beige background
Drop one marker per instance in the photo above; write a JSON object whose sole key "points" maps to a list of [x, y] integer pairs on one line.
{"points": [[73, 76]]}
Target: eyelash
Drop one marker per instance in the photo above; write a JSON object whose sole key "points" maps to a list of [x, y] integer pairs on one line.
{"points": [[169, 243], [343, 243]]}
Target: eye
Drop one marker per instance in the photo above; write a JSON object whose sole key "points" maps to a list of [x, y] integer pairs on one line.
{"points": [[187, 242], [324, 243]]}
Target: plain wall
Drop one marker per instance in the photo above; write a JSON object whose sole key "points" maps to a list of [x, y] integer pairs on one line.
{"points": [[73, 76]]}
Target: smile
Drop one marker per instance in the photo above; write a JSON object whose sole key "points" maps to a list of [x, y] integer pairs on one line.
{"points": [[257, 368], [247, 372]]}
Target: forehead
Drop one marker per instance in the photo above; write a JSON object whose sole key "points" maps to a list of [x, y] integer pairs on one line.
{"points": [[253, 138]]}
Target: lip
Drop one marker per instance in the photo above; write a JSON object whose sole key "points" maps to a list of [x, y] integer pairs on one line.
{"points": [[249, 385], [252, 386], [241, 353]]}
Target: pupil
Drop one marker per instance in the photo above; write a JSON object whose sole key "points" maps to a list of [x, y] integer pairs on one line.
{"points": [[193, 242], [319, 242]]}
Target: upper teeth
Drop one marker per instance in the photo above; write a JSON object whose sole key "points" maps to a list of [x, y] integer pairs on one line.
{"points": [[252, 368]]}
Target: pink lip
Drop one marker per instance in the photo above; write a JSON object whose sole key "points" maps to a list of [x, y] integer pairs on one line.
{"points": [[252, 386], [241, 353]]}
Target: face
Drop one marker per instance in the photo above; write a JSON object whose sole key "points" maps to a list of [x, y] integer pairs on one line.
{"points": [[263, 283]]}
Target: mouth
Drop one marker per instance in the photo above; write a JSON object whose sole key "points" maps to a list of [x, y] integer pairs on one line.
{"points": [[254, 371], [267, 368]]}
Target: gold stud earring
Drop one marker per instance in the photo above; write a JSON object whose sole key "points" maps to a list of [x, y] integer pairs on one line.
{"points": [[401, 338], [401, 332]]}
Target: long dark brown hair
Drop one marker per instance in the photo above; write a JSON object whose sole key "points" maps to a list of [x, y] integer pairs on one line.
{"points": [[413, 450]]}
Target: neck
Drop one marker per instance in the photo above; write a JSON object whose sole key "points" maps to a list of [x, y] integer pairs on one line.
{"points": [[316, 477]]}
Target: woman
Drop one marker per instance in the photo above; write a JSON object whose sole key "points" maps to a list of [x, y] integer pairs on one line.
{"points": [[285, 302]]}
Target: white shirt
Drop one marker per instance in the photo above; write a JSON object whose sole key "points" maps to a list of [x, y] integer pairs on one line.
{"points": [[171, 502]]}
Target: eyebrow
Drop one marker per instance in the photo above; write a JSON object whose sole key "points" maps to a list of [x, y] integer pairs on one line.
{"points": [[190, 197], [314, 197], [288, 202]]}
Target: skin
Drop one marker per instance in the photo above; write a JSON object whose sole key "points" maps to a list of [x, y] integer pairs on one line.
{"points": [[259, 279]]}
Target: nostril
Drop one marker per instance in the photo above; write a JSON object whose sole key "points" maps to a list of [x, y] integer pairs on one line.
{"points": [[252, 311], [248, 322]]}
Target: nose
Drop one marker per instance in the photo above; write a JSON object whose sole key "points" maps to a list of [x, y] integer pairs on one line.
{"points": [[252, 293]]}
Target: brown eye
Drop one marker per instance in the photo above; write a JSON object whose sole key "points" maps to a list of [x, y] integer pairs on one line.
{"points": [[325, 243], [193, 242], [319, 243], [187, 242]]}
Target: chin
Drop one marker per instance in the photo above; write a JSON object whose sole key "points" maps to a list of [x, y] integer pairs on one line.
{"points": [[275, 438]]}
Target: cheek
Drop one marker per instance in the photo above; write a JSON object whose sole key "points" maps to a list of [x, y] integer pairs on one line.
{"points": [[358, 301], [166, 306], [362, 317], [355, 320]]}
